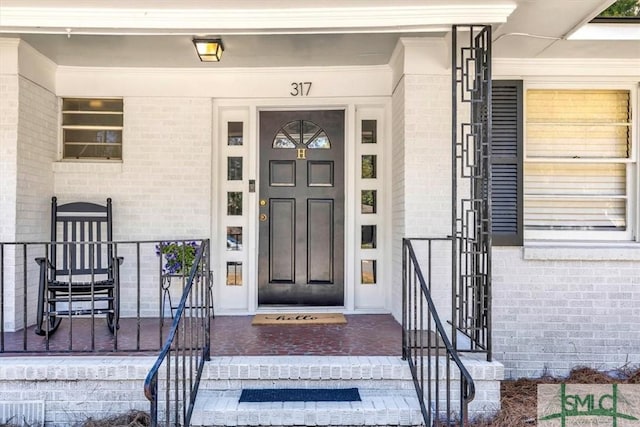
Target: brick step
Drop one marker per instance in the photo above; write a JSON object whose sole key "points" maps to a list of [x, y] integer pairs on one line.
{"points": [[222, 373], [378, 408], [384, 383]]}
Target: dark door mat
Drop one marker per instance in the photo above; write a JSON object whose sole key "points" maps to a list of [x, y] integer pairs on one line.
{"points": [[300, 395]]}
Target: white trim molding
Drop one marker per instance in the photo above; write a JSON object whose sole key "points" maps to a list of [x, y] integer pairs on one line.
{"points": [[605, 67], [36, 67], [223, 83], [20, 58], [600, 31], [9, 56], [288, 16]]}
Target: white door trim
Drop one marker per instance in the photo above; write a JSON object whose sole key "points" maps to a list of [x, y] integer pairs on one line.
{"points": [[245, 297]]}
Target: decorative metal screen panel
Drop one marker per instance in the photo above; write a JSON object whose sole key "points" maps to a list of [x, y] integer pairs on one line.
{"points": [[471, 133]]}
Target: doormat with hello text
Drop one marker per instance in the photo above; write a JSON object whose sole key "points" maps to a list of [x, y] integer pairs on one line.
{"points": [[298, 319]]}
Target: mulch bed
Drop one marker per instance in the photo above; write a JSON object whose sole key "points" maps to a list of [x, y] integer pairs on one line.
{"points": [[130, 419], [519, 397]]}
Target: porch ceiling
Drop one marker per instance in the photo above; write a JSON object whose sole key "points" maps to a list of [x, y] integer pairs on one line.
{"points": [[274, 50], [145, 33]]}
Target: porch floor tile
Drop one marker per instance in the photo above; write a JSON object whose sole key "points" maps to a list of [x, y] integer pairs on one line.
{"points": [[362, 335]]}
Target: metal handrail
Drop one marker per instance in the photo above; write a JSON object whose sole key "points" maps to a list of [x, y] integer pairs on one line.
{"points": [[432, 377], [180, 353]]}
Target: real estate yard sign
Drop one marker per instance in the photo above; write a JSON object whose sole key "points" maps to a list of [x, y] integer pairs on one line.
{"points": [[573, 405]]}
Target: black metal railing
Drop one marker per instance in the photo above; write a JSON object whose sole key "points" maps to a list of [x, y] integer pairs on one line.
{"points": [[471, 190], [82, 325], [172, 391], [443, 384]]}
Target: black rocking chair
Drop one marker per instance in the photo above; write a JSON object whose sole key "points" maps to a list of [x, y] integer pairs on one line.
{"points": [[80, 274]]}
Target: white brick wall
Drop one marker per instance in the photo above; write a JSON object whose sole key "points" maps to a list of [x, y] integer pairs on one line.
{"points": [[75, 388], [553, 314], [37, 146], [163, 186], [28, 135], [8, 167], [8, 155], [397, 194], [427, 155], [422, 174], [161, 190]]}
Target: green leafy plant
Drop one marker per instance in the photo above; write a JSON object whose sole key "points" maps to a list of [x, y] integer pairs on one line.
{"points": [[178, 256], [622, 8]]}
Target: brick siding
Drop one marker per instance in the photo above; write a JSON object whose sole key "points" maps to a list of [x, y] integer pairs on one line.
{"points": [[552, 314]]}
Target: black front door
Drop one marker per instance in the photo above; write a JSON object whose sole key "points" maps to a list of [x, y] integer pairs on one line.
{"points": [[301, 212]]}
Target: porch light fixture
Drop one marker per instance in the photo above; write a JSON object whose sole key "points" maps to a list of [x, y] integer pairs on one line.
{"points": [[209, 50]]}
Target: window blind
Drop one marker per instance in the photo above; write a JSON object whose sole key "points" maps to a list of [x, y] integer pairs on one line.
{"points": [[577, 156]]}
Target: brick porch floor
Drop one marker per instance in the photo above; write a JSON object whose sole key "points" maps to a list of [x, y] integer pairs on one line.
{"points": [[363, 335]]}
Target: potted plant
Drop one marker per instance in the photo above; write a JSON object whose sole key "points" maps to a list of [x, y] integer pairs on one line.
{"points": [[178, 257]]}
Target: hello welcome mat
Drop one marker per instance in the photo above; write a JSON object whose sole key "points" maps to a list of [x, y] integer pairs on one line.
{"points": [[299, 319]]}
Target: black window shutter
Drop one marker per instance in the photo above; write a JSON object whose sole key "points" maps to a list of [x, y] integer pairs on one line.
{"points": [[506, 163]]}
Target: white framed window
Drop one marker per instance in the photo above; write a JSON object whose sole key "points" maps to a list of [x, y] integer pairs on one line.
{"points": [[580, 164], [370, 210], [231, 204], [92, 128]]}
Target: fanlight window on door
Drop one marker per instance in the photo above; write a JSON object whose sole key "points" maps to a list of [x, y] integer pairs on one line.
{"points": [[301, 133]]}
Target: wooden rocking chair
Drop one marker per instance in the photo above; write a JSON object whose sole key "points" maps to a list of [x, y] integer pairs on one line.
{"points": [[80, 275]]}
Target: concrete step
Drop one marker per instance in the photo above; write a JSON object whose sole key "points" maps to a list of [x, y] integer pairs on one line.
{"points": [[377, 372], [384, 383], [377, 408]]}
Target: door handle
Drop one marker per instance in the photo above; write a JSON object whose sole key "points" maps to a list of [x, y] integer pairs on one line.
{"points": [[263, 202], [263, 217]]}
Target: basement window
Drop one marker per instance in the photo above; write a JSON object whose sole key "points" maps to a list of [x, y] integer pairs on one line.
{"points": [[92, 128]]}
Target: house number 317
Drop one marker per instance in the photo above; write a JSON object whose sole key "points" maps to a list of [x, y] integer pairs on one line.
{"points": [[300, 88]]}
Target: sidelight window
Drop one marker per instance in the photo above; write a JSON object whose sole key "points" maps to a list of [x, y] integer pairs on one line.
{"points": [[370, 186], [234, 203], [368, 236], [368, 272], [233, 177], [368, 201], [369, 166], [235, 133], [234, 168], [369, 131], [234, 273], [234, 238]]}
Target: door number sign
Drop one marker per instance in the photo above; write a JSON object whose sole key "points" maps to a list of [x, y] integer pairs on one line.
{"points": [[300, 88]]}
